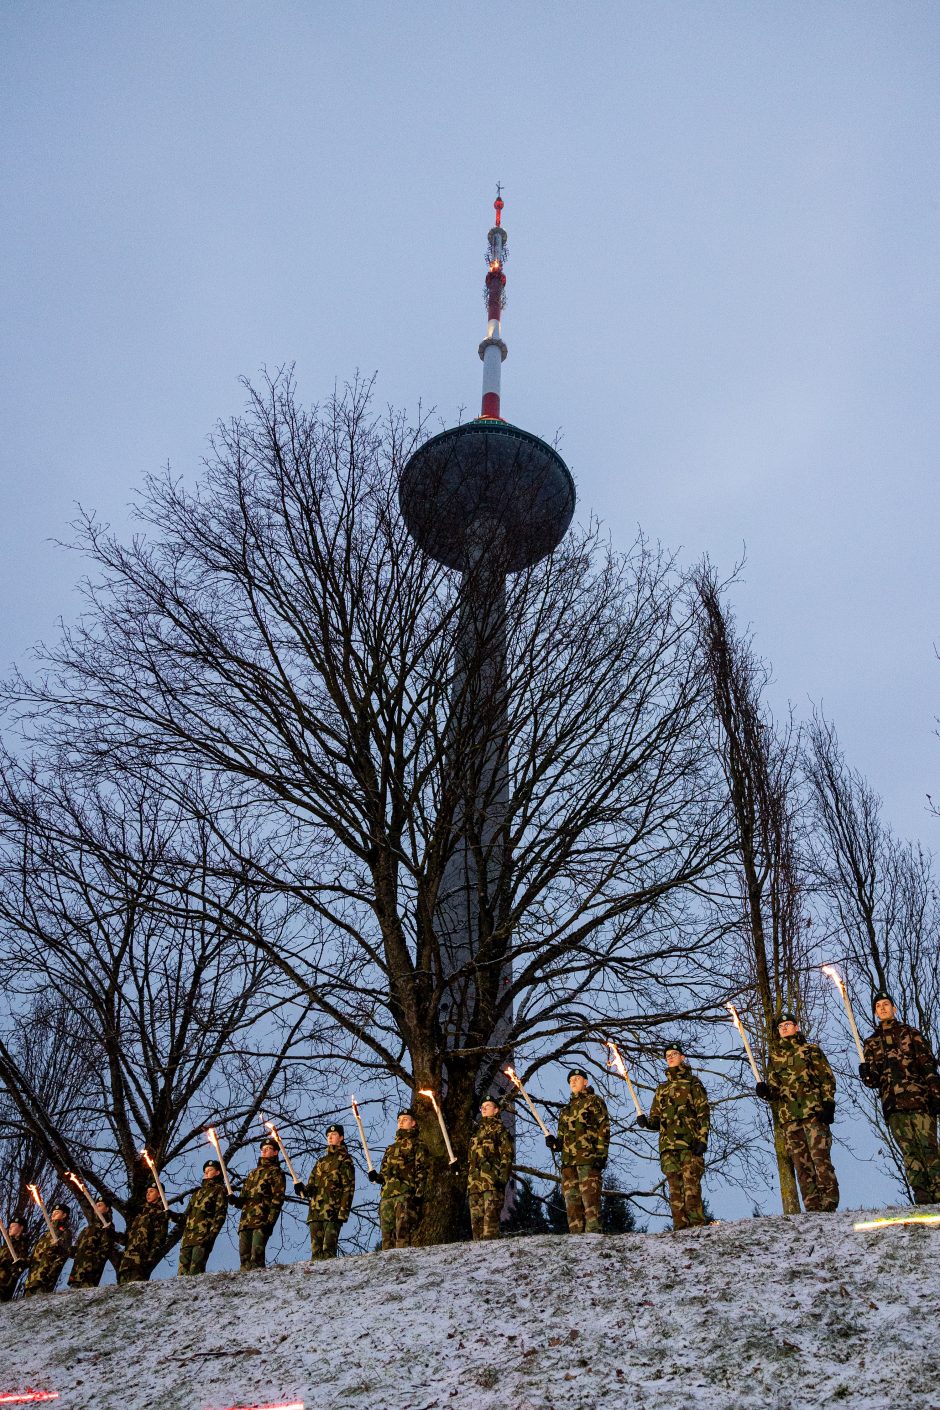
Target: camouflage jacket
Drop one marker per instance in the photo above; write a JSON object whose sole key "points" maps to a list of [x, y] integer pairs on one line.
{"points": [[205, 1213], [489, 1158], [903, 1069], [48, 1259], [93, 1247], [584, 1129], [9, 1272], [800, 1078], [263, 1193], [146, 1237], [404, 1167], [680, 1111], [331, 1186]]}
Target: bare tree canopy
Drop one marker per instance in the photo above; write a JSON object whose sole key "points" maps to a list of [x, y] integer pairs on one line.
{"points": [[274, 640]]}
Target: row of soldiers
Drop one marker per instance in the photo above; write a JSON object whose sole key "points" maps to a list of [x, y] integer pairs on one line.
{"points": [[898, 1064]]}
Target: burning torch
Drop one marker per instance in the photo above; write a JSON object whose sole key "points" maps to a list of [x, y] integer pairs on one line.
{"points": [[615, 1061], [41, 1206], [744, 1038], [149, 1162], [83, 1190], [280, 1145], [213, 1140], [839, 982], [362, 1134], [516, 1082], [426, 1092]]}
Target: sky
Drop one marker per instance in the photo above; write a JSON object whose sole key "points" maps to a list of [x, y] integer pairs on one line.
{"points": [[722, 287]]}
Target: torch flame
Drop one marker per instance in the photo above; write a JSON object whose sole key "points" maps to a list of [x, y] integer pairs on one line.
{"points": [[734, 1015], [832, 973], [511, 1074], [34, 1192], [614, 1058], [903, 1219], [28, 1397]]}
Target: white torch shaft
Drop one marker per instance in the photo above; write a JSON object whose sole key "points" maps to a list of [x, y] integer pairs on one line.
{"points": [[287, 1159], [7, 1240], [622, 1069], [41, 1205], [528, 1101], [156, 1179], [851, 1017], [362, 1135], [440, 1121], [79, 1184], [744, 1039], [213, 1138]]}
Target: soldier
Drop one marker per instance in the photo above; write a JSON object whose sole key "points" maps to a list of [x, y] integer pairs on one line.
{"points": [[146, 1240], [205, 1216], [489, 1163], [901, 1068], [403, 1176], [680, 1114], [12, 1264], [260, 1201], [583, 1139], [801, 1085], [51, 1253], [330, 1191], [93, 1247]]}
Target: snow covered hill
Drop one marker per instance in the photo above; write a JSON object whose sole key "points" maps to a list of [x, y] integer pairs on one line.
{"points": [[776, 1313]]}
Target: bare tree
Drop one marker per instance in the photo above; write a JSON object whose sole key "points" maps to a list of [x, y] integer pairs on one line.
{"points": [[877, 896], [278, 637], [760, 761], [177, 1020]]}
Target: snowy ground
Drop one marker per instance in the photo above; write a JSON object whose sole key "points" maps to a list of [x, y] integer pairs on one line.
{"points": [[781, 1314]]}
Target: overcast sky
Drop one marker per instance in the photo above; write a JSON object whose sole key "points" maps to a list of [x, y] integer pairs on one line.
{"points": [[723, 288]]}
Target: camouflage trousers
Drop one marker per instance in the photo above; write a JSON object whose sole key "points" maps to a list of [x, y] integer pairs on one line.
{"points": [[87, 1274], [808, 1144], [581, 1187], [133, 1270], [398, 1219], [916, 1134], [684, 1172], [485, 1209], [251, 1246], [193, 1258], [42, 1277], [324, 1237]]}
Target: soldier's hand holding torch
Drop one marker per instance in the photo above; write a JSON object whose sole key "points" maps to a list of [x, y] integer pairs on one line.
{"points": [[550, 1140]]}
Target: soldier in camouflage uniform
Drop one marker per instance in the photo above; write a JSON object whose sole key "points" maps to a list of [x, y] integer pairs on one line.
{"points": [[403, 1176], [330, 1191], [146, 1240], [12, 1266], [583, 1139], [93, 1247], [901, 1068], [260, 1201], [680, 1113], [489, 1164], [51, 1253], [801, 1086], [205, 1216]]}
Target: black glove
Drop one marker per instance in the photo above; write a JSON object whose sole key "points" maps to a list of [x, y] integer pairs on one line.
{"points": [[763, 1091], [827, 1113], [697, 1147], [300, 1189], [376, 1178], [600, 1166], [553, 1143], [454, 1167], [933, 1103], [236, 1201], [644, 1123], [866, 1074]]}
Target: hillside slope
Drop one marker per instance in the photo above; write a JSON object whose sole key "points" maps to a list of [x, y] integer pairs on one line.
{"points": [[792, 1313]]}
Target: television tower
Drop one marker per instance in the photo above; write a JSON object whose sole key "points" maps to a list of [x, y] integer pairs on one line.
{"points": [[486, 499]]}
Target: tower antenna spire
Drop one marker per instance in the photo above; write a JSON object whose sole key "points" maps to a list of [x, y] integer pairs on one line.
{"points": [[493, 350]]}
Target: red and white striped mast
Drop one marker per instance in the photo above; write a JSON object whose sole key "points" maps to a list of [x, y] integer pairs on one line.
{"points": [[493, 350]]}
